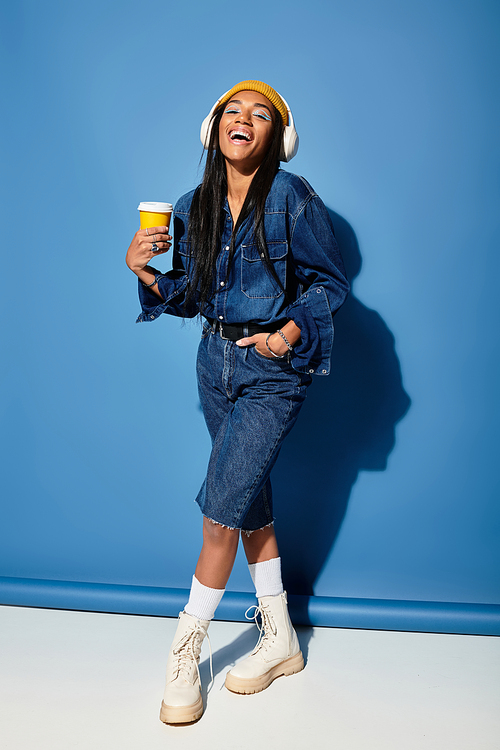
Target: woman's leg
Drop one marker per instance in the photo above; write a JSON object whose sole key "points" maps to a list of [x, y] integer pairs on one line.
{"points": [[260, 545], [264, 563], [278, 650], [217, 555], [182, 702]]}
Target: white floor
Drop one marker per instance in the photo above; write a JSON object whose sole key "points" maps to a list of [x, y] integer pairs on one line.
{"points": [[86, 680]]}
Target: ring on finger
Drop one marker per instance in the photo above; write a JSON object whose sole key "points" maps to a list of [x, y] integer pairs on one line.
{"points": [[147, 231], [154, 247]]}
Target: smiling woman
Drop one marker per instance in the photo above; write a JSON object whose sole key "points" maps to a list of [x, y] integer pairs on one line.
{"points": [[254, 255]]}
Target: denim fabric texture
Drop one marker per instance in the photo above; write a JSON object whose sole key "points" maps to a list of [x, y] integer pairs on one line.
{"points": [[250, 404], [305, 256]]}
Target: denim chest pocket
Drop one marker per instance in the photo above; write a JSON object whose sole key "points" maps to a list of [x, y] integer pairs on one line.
{"points": [[257, 282]]}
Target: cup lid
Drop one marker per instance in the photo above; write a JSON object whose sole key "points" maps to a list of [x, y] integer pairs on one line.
{"points": [[155, 208]]}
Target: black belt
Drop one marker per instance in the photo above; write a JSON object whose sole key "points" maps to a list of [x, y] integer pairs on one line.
{"points": [[238, 331]]}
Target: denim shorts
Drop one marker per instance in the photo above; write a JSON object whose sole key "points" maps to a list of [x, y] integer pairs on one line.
{"points": [[250, 404]]}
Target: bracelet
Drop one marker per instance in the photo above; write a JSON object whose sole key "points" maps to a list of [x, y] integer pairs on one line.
{"points": [[290, 347], [278, 356], [157, 276]]}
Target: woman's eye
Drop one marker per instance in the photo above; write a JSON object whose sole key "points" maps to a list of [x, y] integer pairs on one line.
{"points": [[231, 111], [262, 115]]}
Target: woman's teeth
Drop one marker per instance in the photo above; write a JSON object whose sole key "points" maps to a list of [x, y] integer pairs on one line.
{"points": [[238, 134]]}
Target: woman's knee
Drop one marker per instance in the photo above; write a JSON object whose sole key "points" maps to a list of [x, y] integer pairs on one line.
{"points": [[215, 533]]}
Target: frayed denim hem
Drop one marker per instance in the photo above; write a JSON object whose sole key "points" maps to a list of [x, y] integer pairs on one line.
{"points": [[243, 531], [248, 533]]}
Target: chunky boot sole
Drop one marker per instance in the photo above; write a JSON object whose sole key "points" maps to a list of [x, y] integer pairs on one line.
{"points": [[181, 714], [255, 684]]}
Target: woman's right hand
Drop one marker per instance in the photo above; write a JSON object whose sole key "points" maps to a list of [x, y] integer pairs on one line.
{"points": [[140, 251]]}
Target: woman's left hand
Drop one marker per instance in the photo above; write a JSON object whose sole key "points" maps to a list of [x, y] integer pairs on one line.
{"points": [[276, 344]]}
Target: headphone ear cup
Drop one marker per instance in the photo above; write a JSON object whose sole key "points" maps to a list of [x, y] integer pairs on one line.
{"points": [[206, 129], [290, 143]]}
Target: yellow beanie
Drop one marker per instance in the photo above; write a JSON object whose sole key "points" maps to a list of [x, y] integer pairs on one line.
{"points": [[261, 88]]}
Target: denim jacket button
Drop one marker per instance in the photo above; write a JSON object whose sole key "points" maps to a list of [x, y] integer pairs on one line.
{"points": [[221, 317], [152, 317], [311, 370], [324, 372], [227, 247], [222, 283], [318, 291]]}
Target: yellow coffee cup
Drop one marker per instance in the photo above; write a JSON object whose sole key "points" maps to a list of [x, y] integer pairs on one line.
{"points": [[154, 214]]}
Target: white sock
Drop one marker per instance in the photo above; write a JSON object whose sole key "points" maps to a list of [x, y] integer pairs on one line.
{"points": [[203, 601], [266, 577]]}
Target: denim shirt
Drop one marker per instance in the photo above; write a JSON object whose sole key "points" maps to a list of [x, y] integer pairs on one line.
{"points": [[305, 256]]}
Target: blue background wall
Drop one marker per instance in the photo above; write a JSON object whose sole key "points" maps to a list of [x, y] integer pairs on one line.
{"points": [[389, 487]]}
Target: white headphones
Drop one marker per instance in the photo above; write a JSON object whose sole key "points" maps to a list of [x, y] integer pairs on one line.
{"points": [[289, 146]]}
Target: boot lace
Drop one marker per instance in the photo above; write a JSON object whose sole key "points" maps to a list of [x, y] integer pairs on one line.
{"points": [[267, 627], [188, 651]]}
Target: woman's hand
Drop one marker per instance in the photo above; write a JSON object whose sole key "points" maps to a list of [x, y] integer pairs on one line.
{"points": [[275, 342], [141, 250]]}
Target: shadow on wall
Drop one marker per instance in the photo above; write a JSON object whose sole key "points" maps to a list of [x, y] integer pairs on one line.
{"points": [[347, 425]]}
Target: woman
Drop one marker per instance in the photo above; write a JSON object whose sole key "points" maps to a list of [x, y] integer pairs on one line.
{"points": [[256, 256]]}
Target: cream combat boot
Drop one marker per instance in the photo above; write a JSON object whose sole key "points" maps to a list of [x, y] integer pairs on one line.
{"points": [[182, 701], [277, 652]]}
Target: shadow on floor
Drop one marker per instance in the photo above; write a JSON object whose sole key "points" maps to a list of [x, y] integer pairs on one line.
{"points": [[227, 656]]}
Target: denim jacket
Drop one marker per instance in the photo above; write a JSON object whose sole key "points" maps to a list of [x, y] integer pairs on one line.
{"points": [[306, 258]]}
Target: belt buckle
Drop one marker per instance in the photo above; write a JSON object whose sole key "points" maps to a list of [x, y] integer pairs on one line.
{"points": [[221, 331]]}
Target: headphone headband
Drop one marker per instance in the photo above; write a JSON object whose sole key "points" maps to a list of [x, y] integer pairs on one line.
{"points": [[290, 142]]}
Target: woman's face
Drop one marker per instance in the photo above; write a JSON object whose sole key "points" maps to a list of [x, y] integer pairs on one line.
{"points": [[246, 129]]}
